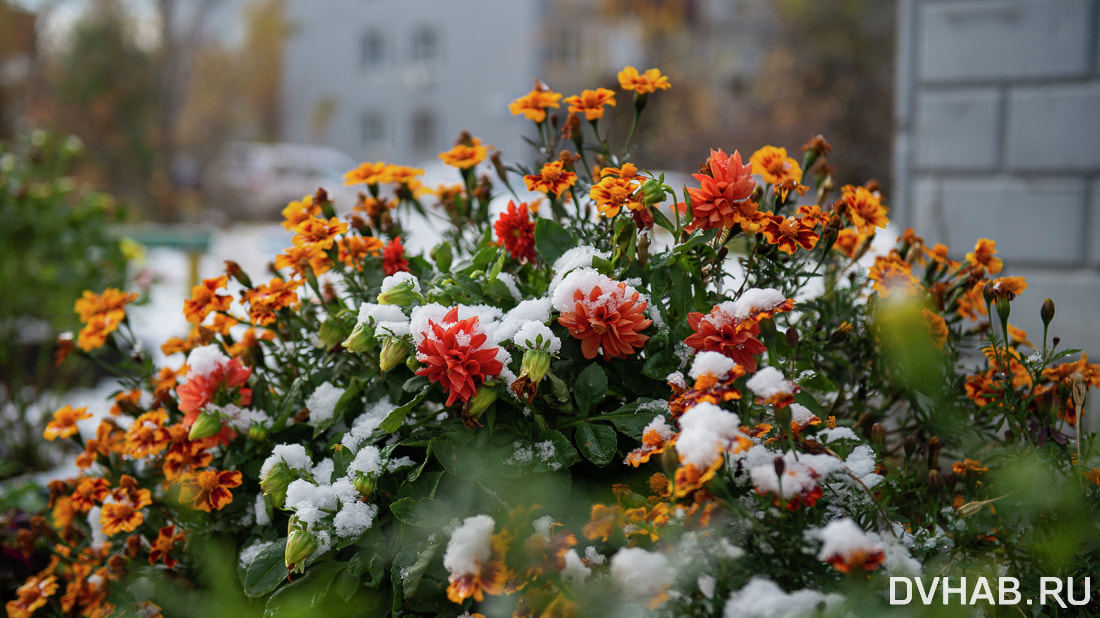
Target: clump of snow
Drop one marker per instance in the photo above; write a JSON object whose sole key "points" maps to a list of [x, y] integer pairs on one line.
{"points": [[585, 281], [400, 278], [837, 433], [385, 319], [262, 518], [368, 461], [509, 281], [322, 472], [844, 538], [202, 360], [594, 557], [527, 337], [861, 463], [641, 575], [769, 382], [705, 432], [801, 414], [240, 419], [755, 300], [534, 310], [366, 423], [577, 257], [322, 403], [575, 571], [248, 554], [763, 598], [659, 425], [354, 519], [521, 454], [676, 379], [470, 545], [801, 473], [293, 455], [711, 363], [706, 585]]}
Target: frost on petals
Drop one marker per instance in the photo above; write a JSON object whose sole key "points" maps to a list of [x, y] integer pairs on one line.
{"points": [[457, 355], [846, 546], [601, 313]]}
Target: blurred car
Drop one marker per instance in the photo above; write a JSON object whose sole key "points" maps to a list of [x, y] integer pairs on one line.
{"points": [[254, 181]]}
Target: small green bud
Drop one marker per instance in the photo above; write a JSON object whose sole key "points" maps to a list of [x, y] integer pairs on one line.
{"points": [[205, 425], [910, 445], [401, 294], [332, 333], [395, 350], [1004, 307], [360, 340], [412, 363], [482, 399], [652, 192], [1047, 311], [935, 481], [535, 365], [364, 484], [300, 545], [934, 447], [276, 481], [257, 432]]}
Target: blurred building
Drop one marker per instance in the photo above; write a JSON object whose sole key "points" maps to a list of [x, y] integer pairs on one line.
{"points": [[998, 136], [399, 79]]}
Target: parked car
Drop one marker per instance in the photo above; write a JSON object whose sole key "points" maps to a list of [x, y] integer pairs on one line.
{"points": [[255, 181]]}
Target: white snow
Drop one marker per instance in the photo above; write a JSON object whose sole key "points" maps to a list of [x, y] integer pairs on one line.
{"points": [[769, 382], [470, 545], [322, 403], [641, 575], [706, 431]]}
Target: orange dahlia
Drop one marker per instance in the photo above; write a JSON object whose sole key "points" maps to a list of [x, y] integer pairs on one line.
{"points": [[722, 200], [457, 354], [602, 313], [516, 231], [393, 257]]}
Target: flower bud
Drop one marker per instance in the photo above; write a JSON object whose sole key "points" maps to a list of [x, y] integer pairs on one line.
{"points": [[360, 340], [257, 432], [205, 425], [780, 466], [401, 294], [653, 192], [332, 333], [841, 332], [1004, 307], [934, 453], [535, 364], [412, 363], [235, 272], [482, 399], [878, 435], [364, 484], [1047, 311], [950, 479], [935, 481], [910, 445], [395, 350], [792, 337], [276, 481], [300, 545]]}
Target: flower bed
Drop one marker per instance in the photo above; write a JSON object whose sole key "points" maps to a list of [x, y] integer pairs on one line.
{"points": [[727, 397]]}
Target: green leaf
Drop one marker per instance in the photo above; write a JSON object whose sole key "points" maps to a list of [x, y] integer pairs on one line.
{"points": [[409, 566], [308, 591], [597, 443], [807, 400], [564, 454], [267, 570], [395, 418], [816, 381], [425, 513], [346, 584], [552, 240], [630, 420], [590, 389], [660, 219], [368, 561]]}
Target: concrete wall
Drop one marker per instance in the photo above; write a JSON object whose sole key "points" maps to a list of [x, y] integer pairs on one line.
{"points": [[998, 136]]}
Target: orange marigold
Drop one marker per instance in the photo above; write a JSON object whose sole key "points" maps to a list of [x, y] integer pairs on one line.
{"points": [[591, 102], [467, 153], [209, 490], [551, 179], [534, 104], [774, 166], [982, 258], [31, 596], [789, 233], [297, 212], [264, 301], [367, 173], [204, 299], [644, 83], [64, 421], [862, 207], [891, 273], [352, 249], [937, 327], [165, 541]]}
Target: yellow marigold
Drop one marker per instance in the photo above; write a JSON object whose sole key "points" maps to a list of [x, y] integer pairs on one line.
{"points": [[774, 166], [862, 207], [466, 153], [301, 258], [64, 421], [591, 102], [644, 83], [366, 173], [319, 232], [937, 327], [965, 466], [296, 212], [891, 273], [209, 490], [551, 179], [402, 174], [1008, 287], [352, 249], [205, 299], [982, 258], [101, 315], [533, 105], [617, 189]]}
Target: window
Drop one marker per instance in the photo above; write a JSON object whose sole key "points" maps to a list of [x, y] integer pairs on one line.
{"points": [[425, 45], [424, 130], [372, 49], [374, 129]]}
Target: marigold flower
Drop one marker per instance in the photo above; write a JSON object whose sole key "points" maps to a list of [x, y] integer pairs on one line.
{"points": [[656, 438], [1007, 287], [318, 232], [937, 327], [466, 153], [533, 105], [776, 168], [403, 175], [848, 548], [982, 258], [367, 173], [147, 435], [124, 513], [1064, 372], [591, 102], [616, 189], [352, 249], [891, 273], [789, 233], [602, 522], [393, 257], [722, 200], [64, 421], [475, 560], [184, 457], [962, 468], [938, 254], [862, 207], [209, 490], [267, 299], [602, 314], [31, 596], [96, 330], [516, 231], [458, 355], [731, 327], [551, 179], [297, 212], [89, 491], [111, 301], [812, 216], [645, 83], [304, 258], [204, 299]]}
